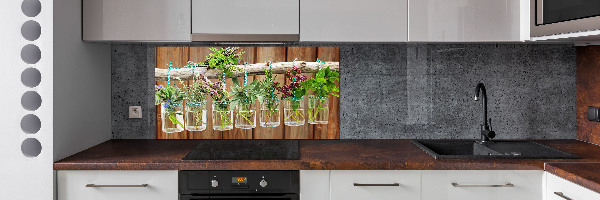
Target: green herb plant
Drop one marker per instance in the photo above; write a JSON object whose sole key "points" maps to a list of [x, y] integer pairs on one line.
{"points": [[195, 96], [323, 85], [172, 97], [244, 97], [268, 94], [293, 92], [224, 59], [219, 94]]}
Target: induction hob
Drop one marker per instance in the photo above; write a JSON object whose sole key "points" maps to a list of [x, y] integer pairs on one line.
{"points": [[245, 150]]}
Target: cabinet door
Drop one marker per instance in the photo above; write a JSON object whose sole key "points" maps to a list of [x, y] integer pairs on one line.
{"points": [[482, 184], [354, 20], [375, 185], [244, 20], [117, 185], [136, 20], [314, 185], [468, 20], [561, 189]]}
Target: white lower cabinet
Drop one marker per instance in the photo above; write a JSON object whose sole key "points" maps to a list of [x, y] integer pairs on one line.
{"points": [[561, 189], [341, 185], [314, 185], [482, 184], [117, 185], [375, 185]]}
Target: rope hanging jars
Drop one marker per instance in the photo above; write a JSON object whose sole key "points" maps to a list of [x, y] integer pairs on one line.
{"points": [[187, 109]]}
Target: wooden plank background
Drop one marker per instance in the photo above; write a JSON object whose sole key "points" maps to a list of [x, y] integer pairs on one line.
{"points": [[181, 55]]}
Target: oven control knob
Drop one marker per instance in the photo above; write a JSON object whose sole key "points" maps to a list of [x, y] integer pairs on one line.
{"points": [[214, 183], [263, 183]]}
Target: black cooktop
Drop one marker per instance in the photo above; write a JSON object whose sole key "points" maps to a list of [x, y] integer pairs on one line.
{"points": [[245, 150]]}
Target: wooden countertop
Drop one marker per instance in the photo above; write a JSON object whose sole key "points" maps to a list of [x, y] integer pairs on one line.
{"points": [[332, 155], [314, 155], [581, 173]]}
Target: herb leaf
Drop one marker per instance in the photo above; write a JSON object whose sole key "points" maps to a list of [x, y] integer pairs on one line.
{"points": [[323, 84]]}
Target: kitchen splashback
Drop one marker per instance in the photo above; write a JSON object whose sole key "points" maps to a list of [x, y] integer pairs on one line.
{"points": [[588, 84], [407, 90]]}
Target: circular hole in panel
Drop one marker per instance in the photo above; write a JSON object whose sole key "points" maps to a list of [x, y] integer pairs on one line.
{"points": [[31, 54], [31, 30], [31, 8], [31, 100], [31, 124], [31, 147], [31, 77]]}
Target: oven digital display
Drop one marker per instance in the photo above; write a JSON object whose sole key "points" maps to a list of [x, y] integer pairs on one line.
{"points": [[239, 180]]}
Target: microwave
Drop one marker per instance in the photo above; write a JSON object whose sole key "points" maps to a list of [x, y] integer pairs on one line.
{"points": [[569, 18]]}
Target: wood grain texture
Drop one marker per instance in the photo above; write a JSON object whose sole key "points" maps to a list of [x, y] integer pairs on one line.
{"points": [[588, 92], [226, 134], [198, 54], [236, 133], [275, 54], [256, 55], [331, 130], [179, 56], [581, 173], [306, 54], [378, 154]]}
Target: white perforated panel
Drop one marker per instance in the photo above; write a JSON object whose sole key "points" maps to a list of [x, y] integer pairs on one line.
{"points": [[26, 142]]}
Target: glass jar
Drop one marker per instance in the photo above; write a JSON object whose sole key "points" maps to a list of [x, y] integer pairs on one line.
{"points": [[246, 115], [195, 116], [172, 117], [222, 116], [318, 110], [293, 111], [269, 113]]}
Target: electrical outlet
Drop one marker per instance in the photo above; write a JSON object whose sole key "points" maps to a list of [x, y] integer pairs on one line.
{"points": [[135, 112]]}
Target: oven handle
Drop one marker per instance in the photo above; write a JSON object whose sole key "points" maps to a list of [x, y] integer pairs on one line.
{"points": [[99, 186]]}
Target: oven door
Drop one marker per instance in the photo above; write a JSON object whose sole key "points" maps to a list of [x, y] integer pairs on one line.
{"points": [[237, 197]]}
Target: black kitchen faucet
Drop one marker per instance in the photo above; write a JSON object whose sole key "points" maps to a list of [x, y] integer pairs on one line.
{"points": [[486, 129]]}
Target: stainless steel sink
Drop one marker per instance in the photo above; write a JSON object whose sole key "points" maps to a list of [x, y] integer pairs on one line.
{"points": [[493, 149]]}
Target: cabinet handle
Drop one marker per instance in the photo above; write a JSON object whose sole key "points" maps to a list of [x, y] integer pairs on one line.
{"points": [[560, 194], [505, 185], [362, 184], [94, 185]]}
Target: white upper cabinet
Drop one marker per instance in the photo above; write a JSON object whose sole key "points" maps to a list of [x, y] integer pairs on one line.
{"points": [[307, 20], [136, 20], [245, 20], [354, 20], [468, 20]]}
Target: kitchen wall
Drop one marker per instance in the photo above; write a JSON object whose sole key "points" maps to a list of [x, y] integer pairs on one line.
{"points": [[588, 92], [408, 90]]}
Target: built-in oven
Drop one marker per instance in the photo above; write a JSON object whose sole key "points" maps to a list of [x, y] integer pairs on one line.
{"points": [[554, 17], [234, 185]]}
